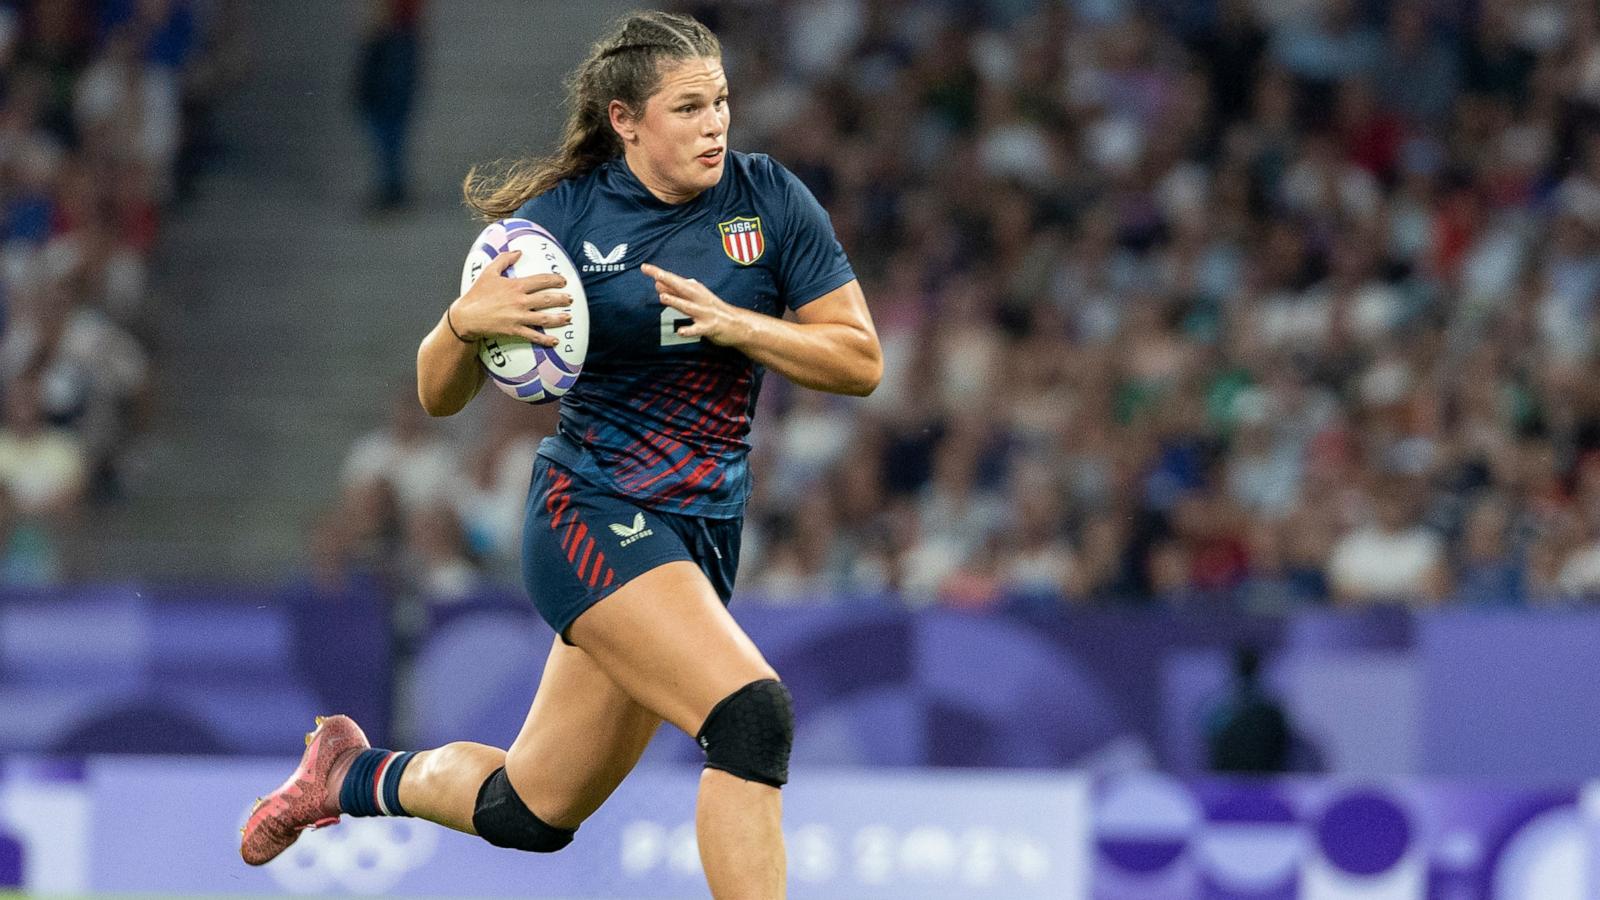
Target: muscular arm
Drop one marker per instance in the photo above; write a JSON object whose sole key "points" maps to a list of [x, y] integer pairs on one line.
{"points": [[448, 374], [831, 346]]}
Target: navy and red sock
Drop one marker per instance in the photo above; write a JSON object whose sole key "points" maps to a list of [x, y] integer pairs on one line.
{"points": [[372, 786]]}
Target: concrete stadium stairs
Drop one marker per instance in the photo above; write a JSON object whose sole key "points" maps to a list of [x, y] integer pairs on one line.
{"points": [[292, 317]]}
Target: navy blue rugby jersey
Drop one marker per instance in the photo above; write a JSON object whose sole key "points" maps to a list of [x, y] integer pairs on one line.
{"points": [[658, 417]]}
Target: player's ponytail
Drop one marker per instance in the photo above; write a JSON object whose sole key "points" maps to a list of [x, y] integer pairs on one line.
{"points": [[625, 66]]}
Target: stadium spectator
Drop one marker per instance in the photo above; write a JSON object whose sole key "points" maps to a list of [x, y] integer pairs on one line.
{"points": [[93, 374], [1420, 75], [42, 468], [799, 565], [491, 501], [1034, 559], [408, 455], [1391, 558], [436, 552], [333, 568], [371, 529], [28, 554], [123, 101], [1579, 576], [1328, 45], [387, 78], [1489, 573], [1272, 584], [1248, 731]]}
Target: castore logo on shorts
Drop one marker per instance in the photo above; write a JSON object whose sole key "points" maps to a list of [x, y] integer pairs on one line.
{"points": [[630, 534]]}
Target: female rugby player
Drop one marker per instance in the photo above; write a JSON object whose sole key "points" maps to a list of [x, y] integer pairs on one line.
{"points": [[691, 254]]}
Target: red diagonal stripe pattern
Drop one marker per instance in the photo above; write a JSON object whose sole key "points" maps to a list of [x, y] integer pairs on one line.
{"points": [[698, 417], [558, 503]]}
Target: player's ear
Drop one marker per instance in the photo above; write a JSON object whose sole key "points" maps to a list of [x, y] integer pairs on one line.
{"points": [[623, 121]]}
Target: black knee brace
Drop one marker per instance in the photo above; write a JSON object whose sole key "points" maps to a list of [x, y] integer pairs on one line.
{"points": [[502, 819], [750, 733]]}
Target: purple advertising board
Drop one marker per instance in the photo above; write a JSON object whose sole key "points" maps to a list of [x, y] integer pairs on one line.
{"points": [[169, 826], [1298, 838], [1455, 694], [1510, 693]]}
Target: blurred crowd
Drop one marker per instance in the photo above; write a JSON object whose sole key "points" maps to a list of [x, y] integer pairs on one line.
{"points": [[104, 111], [1244, 303], [425, 519]]}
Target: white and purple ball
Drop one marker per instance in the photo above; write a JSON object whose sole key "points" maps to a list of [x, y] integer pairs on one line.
{"points": [[529, 372]]}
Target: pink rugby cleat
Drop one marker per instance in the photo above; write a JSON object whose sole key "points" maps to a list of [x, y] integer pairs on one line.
{"points": [[310, 798]]}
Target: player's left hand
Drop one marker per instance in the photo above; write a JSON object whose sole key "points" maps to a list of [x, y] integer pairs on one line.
{"points": [[713, 318]]}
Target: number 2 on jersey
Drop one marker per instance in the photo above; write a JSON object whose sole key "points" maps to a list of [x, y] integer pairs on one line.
{"points": [[670, 320]]}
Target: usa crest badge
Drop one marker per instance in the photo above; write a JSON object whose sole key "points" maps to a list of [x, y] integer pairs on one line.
{"points": [[742, 239]]}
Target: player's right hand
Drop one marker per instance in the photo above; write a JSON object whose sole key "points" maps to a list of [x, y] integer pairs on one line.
{"points": [[497, 305]]}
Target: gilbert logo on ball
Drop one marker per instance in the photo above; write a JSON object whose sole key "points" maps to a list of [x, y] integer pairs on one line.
{"points": [[528, 372]]}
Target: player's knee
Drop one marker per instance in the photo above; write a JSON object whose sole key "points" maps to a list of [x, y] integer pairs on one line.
{"points": [[502, 819], [750, 733]]}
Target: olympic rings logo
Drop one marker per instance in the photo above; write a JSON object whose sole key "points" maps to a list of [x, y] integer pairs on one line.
{"points": [[364, 856]]}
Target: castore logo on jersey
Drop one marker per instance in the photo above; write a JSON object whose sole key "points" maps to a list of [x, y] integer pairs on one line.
{"points": [[604, 262]]}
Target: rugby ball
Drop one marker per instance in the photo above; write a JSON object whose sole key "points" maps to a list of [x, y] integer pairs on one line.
{"points": [[529, 372]]}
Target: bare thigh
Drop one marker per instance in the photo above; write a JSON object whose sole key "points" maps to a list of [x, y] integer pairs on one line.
{"points": [[582, 736], [666, 640]]}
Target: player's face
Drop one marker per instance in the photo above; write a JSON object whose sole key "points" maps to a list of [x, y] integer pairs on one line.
{"points": [[682, 138]]}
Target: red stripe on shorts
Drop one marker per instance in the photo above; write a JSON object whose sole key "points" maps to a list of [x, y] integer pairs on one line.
{"points": [[588, 569], [588, 549], [572, 551], [557, 500]]}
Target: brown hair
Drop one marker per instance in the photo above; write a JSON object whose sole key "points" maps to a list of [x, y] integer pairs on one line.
{"points": [[625, 65]]}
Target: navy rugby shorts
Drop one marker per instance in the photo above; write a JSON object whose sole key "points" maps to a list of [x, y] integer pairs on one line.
{"points": [[580, 542]]}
